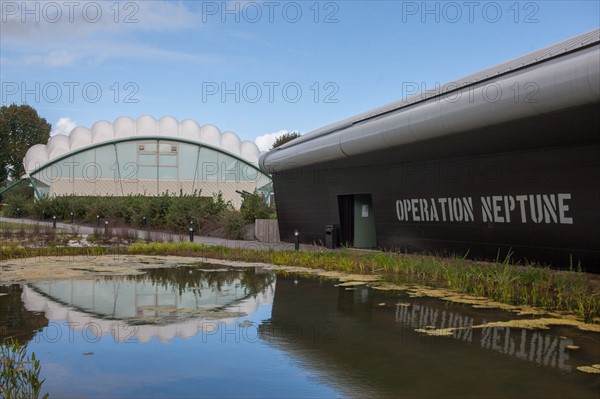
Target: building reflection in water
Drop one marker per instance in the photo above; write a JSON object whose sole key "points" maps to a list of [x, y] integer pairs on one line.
{"points": [[361, 337], [15, 320], [162, 303]]}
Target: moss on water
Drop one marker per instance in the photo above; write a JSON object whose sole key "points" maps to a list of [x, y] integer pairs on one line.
{"points": [[37, 269], [352, 283], [589, 369], [526, 324]]}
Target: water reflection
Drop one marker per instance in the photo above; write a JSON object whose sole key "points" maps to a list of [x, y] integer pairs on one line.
{"points": [[15, 320], [542, 349], [162, 303], [247, 333], [367, 339]]}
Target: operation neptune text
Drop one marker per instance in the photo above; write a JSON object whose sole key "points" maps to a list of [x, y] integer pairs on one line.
{"points": [[533, 208]]}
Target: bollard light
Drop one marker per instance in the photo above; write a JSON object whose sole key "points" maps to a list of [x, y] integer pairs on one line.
{"points": [[296, 240], [106, 227], [72, 215], [18, 212], [54, 221], [191, 234], [144, 221], [97, 220]]}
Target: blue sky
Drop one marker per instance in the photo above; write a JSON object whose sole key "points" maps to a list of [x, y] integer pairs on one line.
{"points": [[258, 68]]}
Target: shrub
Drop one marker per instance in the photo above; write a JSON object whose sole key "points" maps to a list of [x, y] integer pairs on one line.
{"points": [[234, 223], [254, 207], [167, 211]]}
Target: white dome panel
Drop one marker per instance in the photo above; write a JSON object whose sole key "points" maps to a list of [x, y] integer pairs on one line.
{"points": [[80, 137], [250, 152], [58, 141], [231, 142], [55, 311], [211, 135], [146, 126], [35, 157], [124, 127], [190, 130], [167, 333], [102, 131], [187, 329], [146, 333], [168, 126], [57, 152]]}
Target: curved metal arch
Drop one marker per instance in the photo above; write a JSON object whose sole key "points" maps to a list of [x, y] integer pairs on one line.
{"points": [[140, 138]]}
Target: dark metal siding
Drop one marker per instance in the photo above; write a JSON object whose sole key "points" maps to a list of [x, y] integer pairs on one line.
{"points": [[466, 166]]}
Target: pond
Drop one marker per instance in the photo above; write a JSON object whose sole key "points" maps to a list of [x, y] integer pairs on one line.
{"points": [[215, 331]]}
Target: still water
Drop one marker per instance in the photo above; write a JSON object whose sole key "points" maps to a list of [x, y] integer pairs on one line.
{"points": [[224, 332]]}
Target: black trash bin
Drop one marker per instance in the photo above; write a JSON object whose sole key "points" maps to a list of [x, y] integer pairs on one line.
{"points": [[331, 236]]}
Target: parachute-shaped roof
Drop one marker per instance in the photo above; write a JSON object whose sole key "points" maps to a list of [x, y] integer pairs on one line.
{"points": [[145, 126]]}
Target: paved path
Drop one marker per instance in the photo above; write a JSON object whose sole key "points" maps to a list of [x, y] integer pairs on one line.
{"points": [[162, 236]]}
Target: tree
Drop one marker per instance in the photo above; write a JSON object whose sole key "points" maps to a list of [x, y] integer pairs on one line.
{"points": [[281, 140], [254, 207], [20, 128]]}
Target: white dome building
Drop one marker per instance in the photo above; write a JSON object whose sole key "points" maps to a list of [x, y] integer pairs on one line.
{"points": [[146, 156]]}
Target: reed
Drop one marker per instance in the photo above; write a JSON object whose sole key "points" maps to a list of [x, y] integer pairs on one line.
{"points": [[567, 291], [19, 373]]}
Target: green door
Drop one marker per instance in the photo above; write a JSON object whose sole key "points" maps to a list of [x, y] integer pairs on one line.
{"points": [[364, 222]]}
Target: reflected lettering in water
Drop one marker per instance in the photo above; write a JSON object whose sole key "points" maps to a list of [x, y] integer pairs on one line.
{"points": [[248, 332], [543, 349]]}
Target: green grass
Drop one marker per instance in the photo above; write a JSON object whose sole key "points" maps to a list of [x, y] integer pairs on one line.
{"points": [[16, 226], [8, 252], [568, 291], [565, 291]]}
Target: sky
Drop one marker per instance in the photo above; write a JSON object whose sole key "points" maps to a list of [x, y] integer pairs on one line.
{"points": [[258, 68]]}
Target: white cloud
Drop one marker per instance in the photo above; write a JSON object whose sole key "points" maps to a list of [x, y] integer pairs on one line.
{"points": [[47, 22], [63, 126], [53, 59], [93, 31], [265, 141]]}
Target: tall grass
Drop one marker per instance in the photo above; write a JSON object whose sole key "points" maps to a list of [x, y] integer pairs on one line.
{"points": [[566, 291], [19, 373]]}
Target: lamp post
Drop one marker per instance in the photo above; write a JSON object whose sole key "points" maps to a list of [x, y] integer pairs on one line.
{"points": [[296, 240]]}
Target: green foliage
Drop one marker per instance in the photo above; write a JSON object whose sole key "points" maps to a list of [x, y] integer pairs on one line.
{"points": [[20, 128], [234, 223], [165, 212], [19, 376], [564, 291], [281, 140], [254, 207]]}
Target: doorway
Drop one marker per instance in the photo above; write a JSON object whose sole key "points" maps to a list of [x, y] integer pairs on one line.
{"points": [[357, 221]]}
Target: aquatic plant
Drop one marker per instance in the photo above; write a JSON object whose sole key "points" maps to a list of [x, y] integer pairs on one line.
{"points": [[564, 291], [20, 374]]}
